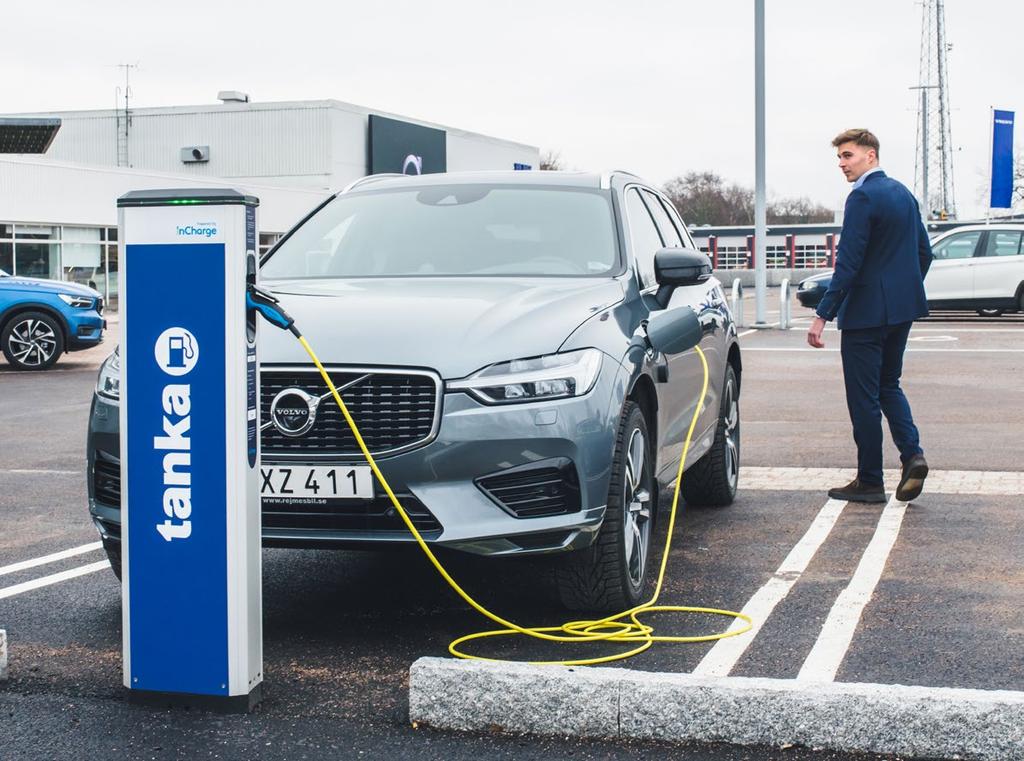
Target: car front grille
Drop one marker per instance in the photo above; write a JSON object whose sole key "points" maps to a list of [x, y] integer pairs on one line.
{"points": [[536, 490], [106, 481], [395, 410]]}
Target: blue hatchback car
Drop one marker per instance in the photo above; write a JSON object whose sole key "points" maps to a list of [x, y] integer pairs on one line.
{"points": [[42, 319]]}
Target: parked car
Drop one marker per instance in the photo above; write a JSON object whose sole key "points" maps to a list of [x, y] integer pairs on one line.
{"points": [[42, 319], [489, 331], [978, 267]]}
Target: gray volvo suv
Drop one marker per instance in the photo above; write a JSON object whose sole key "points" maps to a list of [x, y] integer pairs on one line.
{"points": [[489, 332]]}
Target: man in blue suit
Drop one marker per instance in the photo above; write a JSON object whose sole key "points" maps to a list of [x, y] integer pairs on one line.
{"points": [[877, 292]]}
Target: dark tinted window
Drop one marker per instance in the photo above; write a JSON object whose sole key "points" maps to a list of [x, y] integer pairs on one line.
{"points": [[643, 235], [1005, 243], [669, 233], [454, 230], [960, 246]]}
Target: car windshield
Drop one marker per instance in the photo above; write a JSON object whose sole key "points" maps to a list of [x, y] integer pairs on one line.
{"points": [[453, 230], [3, 274]]}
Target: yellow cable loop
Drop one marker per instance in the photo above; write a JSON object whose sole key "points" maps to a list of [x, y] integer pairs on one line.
{"points": [[609, 629]]}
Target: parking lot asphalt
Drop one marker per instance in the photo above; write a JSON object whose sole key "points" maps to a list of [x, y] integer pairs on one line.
{"points": [[342, 628]]}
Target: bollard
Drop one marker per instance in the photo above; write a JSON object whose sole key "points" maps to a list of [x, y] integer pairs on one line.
{"points": [[784, 305], [3, 654], [736, 304]]}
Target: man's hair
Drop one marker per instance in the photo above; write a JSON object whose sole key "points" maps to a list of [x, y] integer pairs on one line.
{"points": [[857, 136]]}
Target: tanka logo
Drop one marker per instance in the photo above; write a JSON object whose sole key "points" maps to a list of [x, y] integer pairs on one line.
{"points": [[176, 352], [200, 230]]}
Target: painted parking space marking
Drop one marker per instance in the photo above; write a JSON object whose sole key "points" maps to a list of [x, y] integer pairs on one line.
{"points": [[721, 659], [24, 565], [53, 578], [974, 482], [833, 642]]}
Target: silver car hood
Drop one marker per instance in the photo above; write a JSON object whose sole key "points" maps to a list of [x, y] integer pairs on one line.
{"points": [[452, 325]]}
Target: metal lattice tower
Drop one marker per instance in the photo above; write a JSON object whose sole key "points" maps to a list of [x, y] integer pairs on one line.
{"points": [[933, 177]]}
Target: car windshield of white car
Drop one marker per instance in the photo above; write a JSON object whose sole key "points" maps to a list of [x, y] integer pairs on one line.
{"points": [[454, 230]]}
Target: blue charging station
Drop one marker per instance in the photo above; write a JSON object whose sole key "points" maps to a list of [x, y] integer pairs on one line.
{"points": [[190, 507]]}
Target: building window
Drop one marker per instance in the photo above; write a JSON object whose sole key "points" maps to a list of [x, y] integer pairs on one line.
{"points": [[267, 241], [36, 251]]}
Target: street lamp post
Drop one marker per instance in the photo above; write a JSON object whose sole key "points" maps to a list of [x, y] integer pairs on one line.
{"points": [[760, 211]]}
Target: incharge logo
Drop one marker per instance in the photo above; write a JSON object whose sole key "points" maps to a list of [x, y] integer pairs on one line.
{"points": [[176, 352], [202, 230]]}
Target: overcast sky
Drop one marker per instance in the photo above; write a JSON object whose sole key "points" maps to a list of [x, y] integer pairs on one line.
{"points": [[656, 87]]}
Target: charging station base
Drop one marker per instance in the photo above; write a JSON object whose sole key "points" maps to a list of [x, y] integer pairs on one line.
{"points": [[234, 704]]}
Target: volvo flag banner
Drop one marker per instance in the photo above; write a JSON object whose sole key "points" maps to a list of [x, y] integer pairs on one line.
{"points": [[190, 511], [1002, 159], [405, 148]]}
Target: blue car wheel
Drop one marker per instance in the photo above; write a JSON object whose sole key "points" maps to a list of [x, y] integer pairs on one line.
{"points": [[32, 341]]}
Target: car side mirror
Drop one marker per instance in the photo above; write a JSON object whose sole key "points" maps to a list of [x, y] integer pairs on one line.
{"points": [[679, 266], [674, 331]]}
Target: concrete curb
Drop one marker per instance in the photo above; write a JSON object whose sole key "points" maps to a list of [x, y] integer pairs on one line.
{"points": [[3, 654], [607, 702]]}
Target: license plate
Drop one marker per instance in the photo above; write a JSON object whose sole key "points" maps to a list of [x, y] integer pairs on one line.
{"points": [[316, 481]]}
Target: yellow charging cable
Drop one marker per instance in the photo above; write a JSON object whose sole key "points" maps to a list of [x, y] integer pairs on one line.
{"points": [[637, 635]]}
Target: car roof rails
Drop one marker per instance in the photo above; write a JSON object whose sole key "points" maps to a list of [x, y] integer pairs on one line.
{"points": [[370, 178], [606, 178]]}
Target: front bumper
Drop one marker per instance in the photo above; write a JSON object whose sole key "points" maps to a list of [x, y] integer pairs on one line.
{"points": [[85, 329], [473, 441]]}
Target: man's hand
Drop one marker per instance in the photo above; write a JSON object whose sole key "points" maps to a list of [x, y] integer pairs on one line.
{"points": [[814, 333]]}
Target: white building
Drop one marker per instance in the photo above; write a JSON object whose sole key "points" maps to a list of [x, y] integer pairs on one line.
{"points": [[58, 212]]}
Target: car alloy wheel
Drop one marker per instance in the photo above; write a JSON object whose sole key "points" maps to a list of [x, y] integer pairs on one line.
{"points": [[32, 341], [610, 574], [636, 503], [731, 422]]}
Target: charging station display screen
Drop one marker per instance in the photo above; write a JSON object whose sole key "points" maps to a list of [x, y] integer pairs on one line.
{"points": [[175, 392]]}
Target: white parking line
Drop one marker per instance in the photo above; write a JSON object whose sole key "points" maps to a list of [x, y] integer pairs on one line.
{"points": [[721, 659], [54, 578], [63, 554], [834, 640]]}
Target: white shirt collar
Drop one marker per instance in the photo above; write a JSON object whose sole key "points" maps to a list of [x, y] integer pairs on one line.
{"points": [[860, 180]]}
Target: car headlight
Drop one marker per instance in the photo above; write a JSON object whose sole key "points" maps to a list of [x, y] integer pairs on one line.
{"points": [[808, 285], [75, 301], [555, 376], [108, 384]]}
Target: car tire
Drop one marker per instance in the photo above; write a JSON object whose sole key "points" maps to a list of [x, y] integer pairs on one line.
{"points": [[990, 312], [32, 341], [712, 480], [611, 574]]}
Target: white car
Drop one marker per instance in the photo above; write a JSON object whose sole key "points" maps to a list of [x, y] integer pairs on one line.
{"points": [[978, 267]]}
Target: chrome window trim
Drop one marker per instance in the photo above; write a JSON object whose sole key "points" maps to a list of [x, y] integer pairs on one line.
{"points": [[435, 426]]}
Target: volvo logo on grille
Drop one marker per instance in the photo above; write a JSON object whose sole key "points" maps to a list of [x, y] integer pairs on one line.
{"points": [[293, 411]]}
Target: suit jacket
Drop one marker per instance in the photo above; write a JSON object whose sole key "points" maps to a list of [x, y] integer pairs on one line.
{"points": [[883, 257]]}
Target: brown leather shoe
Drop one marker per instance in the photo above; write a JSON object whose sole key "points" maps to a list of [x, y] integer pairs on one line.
{"points": [[855, 491], [914, 472]]}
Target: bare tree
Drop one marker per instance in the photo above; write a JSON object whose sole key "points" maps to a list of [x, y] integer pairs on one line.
{"points": [[797, 211], [704, 198], [551, 161], [1018, 181]]}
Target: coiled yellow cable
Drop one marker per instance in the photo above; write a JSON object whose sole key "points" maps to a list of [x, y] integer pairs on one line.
{"points": [[634, 633]]}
